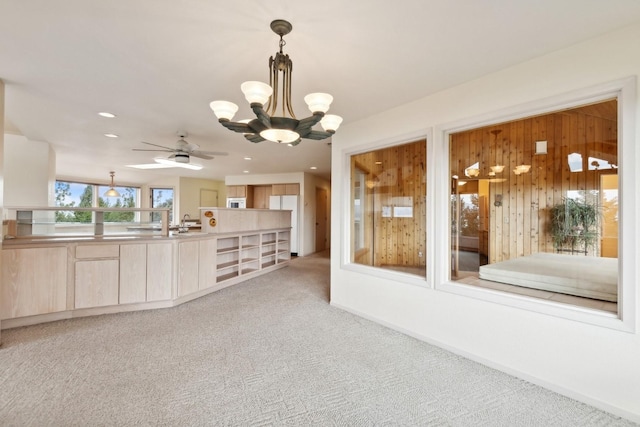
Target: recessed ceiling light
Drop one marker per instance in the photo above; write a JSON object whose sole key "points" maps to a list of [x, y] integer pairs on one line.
{"points": [[106, 114], [248, 158], [313, 168], [245, 171], [110, 135]]}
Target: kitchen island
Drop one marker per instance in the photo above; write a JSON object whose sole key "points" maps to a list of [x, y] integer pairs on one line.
{"points": [[55, 277]]}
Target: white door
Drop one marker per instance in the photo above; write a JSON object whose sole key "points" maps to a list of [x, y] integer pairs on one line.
{"points": [[291, 203]]}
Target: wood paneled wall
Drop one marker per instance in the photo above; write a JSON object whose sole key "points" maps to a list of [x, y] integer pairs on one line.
{"points": [[396, 177], [520, 225]]}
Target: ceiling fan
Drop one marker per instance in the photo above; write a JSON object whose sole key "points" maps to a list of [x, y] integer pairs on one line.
{"points": [[182, 151]]}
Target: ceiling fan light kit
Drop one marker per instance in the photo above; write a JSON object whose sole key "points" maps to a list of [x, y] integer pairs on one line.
{"points": [[178, 164], [263, 99]]}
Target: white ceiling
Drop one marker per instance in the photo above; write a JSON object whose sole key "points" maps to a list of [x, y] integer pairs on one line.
{"points": [[158, 63]]}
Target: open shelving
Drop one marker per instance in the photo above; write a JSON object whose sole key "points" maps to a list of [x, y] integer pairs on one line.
{"points": [[249, 253]]}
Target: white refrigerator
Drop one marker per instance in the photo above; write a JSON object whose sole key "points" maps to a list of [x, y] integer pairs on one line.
{"points": [[289, 203]]}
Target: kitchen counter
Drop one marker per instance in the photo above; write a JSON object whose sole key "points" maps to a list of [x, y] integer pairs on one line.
{"points": [[51, 278]]}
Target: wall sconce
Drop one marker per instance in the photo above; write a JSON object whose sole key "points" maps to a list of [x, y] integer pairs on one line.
{"points": [[521, 169], [497, 169], [472, 172]]}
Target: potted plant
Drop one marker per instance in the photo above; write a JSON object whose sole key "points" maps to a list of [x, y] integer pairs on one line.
{"points": [[574, 226]]}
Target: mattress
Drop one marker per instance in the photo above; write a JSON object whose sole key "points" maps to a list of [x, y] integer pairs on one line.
{"points": [[583, 276]]}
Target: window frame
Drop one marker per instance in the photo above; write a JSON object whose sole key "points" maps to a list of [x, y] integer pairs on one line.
{"points": [[96, 194], [172, 212], [625, 92], [346, 262]]}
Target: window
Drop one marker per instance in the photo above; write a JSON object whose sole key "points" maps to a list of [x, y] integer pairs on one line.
{"points": [[534, 206], [161, 198], [78, 194], [388, 208]]}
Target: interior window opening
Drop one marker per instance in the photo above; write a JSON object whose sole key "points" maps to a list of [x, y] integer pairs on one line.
{"points": [[529, 216], [388, 208]]}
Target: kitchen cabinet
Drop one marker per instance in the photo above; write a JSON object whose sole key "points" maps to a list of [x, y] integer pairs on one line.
{"points": [[236, 191], [159, 269], [291, 189], [34, 281], [44, 281], [96, 275], [96, 283], [188, 253], [133, 273], [261, 194], [145, 272]]}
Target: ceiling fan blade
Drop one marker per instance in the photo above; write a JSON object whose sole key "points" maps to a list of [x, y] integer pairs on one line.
{"points": [[200, 155], [156, 145], [144, 149], [211, 153]]}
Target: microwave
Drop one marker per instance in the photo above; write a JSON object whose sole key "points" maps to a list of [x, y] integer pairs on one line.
{"points": [[237, 202]]}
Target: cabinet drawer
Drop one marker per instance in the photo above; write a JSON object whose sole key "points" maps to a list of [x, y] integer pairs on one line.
{"points": [[97, 251]]}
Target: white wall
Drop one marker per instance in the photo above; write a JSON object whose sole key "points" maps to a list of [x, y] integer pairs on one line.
{"points": [[189, 201], [29, 172], [598, 365]]}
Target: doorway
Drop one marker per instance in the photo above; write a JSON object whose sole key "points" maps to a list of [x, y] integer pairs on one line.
{"points": [[321, 219]]}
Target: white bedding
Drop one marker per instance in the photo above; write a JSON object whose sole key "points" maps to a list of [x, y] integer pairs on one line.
{"points": [[584, 276]]}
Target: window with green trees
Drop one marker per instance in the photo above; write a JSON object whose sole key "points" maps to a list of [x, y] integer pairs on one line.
{"points": [[84, 195]]}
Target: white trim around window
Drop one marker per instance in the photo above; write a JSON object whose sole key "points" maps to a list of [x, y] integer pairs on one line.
{"points": [[629, 156]]}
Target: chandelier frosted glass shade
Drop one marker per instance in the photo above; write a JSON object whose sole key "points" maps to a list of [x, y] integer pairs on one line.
{"points": [[224, 110], [256, 92], [330, 122], [282, 136], [271, 104], [318, 102]]}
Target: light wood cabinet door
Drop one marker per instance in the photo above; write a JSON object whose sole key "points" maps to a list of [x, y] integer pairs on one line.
{"points": [[291, 189], [159, 271], [236, 191], [278, 189], [34, 281], [96, 283], [261, 194], [133, 273], [188, 253]]}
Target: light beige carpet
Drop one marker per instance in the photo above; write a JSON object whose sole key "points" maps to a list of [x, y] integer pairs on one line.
{"points": [[270, 351]]}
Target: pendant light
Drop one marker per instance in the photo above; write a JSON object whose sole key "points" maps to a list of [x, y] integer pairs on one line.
{"points": [[112, 192]]}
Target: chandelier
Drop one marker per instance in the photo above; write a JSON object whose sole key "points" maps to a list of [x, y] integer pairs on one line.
{"points": [[264, 102]]}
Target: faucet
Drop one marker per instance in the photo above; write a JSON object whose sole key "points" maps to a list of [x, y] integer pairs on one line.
{"points": [[183, 227]]}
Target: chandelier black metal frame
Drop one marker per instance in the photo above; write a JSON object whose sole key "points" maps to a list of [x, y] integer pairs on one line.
{"points": [[263, 99]]}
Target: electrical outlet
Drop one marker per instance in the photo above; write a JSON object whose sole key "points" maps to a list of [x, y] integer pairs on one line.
{"points": [[420, 254]]}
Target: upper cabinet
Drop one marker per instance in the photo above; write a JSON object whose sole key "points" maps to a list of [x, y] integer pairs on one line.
{"points": [[236, 191], [285, 189]]}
